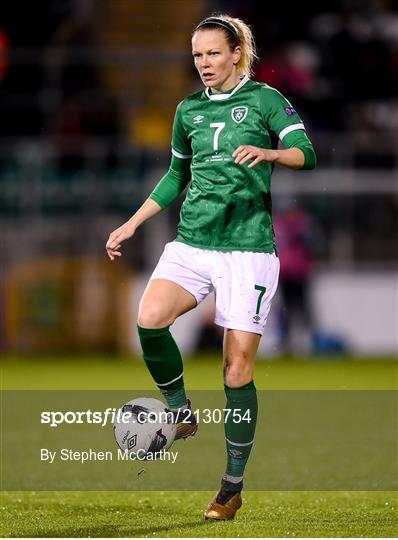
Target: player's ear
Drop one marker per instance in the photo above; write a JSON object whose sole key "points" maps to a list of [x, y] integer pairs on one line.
{"points": [[236, 55]]}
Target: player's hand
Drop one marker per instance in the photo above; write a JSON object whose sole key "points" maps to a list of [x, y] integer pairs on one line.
{"points": [[116, 238], [246, 152]]}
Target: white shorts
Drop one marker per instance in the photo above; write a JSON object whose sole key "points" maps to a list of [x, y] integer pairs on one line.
{"points": [[244, 282]]}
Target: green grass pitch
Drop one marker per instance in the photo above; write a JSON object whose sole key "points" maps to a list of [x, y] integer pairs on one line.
{"points": [[180, 514]]}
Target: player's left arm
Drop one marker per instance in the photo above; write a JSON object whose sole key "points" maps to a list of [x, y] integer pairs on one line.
{"points": [[280, 117], [298, 153]]}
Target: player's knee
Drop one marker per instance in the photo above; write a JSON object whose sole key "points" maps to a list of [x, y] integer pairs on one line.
{"points": [[236, 380], [154, 317], [237, 371]]}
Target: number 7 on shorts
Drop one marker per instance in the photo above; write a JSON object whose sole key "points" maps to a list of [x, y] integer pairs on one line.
{"points": [[260, 296]]}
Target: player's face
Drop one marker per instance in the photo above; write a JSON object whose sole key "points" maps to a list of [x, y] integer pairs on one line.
{"points": [[214, 60]]}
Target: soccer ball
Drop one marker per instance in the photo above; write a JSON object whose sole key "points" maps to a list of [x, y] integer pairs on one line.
{"points": [[144, 427]]}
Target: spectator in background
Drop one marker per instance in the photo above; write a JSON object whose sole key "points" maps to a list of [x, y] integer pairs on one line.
{"points": [[294, 231], [292, 68], [289, 69], [4, 50]]}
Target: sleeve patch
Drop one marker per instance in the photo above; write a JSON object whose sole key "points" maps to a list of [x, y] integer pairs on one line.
{"points": [[290, 111]]}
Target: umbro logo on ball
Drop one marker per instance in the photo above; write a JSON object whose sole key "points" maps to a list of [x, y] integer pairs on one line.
{"points": [[132, 442]]}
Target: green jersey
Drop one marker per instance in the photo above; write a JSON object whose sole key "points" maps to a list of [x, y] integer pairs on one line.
{"points": [[228, 206]]}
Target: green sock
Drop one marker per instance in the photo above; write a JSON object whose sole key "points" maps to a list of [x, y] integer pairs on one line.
{"points": [[239, 434], [164, 361]]}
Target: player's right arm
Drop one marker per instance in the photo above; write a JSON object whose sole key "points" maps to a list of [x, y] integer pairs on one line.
{"points": [[149, 209], [167, 190], [179, 173]]}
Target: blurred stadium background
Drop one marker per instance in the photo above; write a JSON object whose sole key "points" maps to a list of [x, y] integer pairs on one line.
{"points": [[88, 89]]}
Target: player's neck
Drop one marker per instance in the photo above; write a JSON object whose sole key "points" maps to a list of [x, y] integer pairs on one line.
{"points": [[227, 85]]}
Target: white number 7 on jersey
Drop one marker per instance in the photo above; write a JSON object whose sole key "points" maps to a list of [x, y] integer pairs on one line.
{"points": [[219, 127]]}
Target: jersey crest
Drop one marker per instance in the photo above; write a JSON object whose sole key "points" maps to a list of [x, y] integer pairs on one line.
{"points": [[239, 113]]}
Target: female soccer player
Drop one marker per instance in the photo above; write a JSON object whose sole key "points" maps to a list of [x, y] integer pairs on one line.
{"points": [[224, 145]]}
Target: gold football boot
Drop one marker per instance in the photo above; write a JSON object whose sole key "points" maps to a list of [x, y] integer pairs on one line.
{"points": [[226, 503], [185, 430]]}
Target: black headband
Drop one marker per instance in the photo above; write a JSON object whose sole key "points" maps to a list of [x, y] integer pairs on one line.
{"points": [[219, 22]]}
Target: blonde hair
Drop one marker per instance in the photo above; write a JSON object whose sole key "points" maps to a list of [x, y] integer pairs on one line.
{"points": [[237, 33]]}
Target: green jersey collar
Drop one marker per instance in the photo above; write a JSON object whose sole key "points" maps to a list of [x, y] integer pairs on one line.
{"points": [[220, 97]]}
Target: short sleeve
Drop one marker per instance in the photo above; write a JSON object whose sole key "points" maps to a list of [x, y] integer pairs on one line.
{"points": [[278, 114], [180, 145]]}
